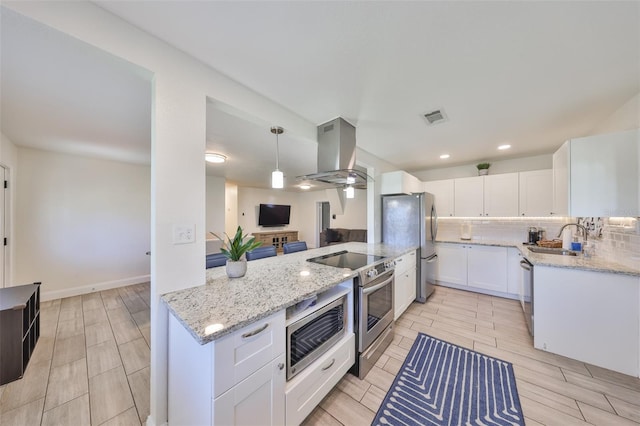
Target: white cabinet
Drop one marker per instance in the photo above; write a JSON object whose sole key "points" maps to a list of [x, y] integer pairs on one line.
{"points": [[487, 267], [405, 283], [240, 376], [501, 195], [589, 316], [536, 193], [561, 181], [514, 271], [307, 389], [598, 176], [473, 266], [443, 192], [258, 399], [399, 182], [469, 196], [452, 263], [492, 195]]}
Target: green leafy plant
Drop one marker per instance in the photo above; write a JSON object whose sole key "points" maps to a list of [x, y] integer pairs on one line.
{"points": [[235, 247], [482, 166]]}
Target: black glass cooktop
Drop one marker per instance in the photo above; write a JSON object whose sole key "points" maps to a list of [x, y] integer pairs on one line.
{"points": [[346, 259]]}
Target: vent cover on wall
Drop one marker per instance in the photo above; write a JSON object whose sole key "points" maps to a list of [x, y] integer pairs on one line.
{"points": [[436, 117]]}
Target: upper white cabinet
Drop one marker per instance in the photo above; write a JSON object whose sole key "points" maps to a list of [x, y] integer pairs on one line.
{"points": [[492, 195], [444, 194], [399, 182], [598, 176], [536, 193], [469, 196], [501, 195]]}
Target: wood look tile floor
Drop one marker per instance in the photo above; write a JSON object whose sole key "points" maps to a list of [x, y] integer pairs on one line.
{"points": [[553, 390], [90, 365]]}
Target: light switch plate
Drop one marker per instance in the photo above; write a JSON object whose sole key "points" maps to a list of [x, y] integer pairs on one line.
{"points": [[184, 234]]}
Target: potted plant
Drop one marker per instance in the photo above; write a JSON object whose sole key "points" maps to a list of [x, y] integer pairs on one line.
{"points": [[483, 168], [234, 249]]}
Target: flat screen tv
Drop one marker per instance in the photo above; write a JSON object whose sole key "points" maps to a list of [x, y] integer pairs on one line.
{"points": [[274, 215]]}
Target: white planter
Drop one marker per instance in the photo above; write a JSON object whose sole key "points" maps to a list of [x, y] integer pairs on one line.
{"points": [[482, 172], [236, 269]]}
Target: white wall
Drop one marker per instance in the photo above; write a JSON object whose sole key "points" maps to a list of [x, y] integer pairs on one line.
{"points": [[215, 206], [231, 208], [82, 224], [9, 159], [626, 117], [538, 162], [249, 200]]}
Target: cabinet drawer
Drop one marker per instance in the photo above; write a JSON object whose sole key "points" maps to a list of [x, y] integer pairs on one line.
{"points": [[406, 262], [306, 390], [237, 356]]}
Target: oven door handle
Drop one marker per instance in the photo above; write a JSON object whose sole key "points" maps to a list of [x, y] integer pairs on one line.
{"points": [[368, 290]]}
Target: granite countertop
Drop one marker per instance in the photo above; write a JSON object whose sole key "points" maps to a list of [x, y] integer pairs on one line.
{"points": [[224, 305], [595, 264]]}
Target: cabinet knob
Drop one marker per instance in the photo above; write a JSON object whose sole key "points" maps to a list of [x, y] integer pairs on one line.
{"points": [[522, 214], [281, 366]]}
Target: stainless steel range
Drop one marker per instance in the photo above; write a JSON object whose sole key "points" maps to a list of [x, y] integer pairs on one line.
{"points": [[373, 311]]}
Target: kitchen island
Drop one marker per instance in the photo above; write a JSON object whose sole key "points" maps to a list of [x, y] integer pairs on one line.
{"points": [[227, 340]]}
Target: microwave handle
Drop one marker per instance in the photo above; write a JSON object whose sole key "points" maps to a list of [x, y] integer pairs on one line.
{"points": [[369, 290]]}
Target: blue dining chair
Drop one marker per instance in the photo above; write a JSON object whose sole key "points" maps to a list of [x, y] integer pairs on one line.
{"points": [[294, 247], [261, 252], [216, 259]]}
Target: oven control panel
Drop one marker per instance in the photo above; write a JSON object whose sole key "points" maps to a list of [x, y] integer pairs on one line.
{"points": [[378, 269]]}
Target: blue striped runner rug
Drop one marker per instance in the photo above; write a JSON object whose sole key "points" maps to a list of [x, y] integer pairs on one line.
{"points": [[444, 384]]}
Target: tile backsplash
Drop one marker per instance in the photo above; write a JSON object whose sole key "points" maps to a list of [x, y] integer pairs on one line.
{"points": [[619, 240]]}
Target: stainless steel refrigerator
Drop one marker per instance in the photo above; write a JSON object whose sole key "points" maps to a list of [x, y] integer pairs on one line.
{"points": [[411, 220]]}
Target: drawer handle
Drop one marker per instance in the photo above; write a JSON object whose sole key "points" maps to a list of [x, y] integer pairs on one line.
{"points": [[254, 332], [333, 361]]}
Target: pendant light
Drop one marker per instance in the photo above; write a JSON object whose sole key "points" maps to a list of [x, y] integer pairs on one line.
{"points": [[277, 177], [351, 192]]}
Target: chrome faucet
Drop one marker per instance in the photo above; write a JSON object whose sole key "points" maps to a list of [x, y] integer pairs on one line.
{"points": [[584, 230]]}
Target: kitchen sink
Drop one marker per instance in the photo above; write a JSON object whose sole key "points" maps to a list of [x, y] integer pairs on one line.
{"points": [[548, 250]]}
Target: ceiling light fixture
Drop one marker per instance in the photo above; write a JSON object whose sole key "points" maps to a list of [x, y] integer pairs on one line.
{"points": [[444, 156], [503, 147], [351, 192], [213, 157], [277, 177], [304, 186]]}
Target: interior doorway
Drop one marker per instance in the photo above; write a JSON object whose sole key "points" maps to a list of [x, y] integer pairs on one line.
{"points": [[323, 218], [4, 174]]}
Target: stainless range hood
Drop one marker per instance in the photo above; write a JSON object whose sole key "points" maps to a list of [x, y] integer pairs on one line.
{"points": [[337, 156]]}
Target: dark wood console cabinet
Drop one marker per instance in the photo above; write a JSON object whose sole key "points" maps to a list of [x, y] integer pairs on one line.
{"points": [[19, 328]]}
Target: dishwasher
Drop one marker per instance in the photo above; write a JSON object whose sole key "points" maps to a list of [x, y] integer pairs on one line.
{"points": [[526, 292]]}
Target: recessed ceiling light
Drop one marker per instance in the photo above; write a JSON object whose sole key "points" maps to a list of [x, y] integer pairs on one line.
{"points": [[445, 156], [304, 186], [215, 158], [503, 147]]}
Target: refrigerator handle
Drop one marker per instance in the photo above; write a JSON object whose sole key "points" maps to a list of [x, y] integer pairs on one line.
{"points": [[434, 223]]}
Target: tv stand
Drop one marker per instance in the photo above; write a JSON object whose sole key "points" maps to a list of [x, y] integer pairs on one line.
{"points": [[276, 238]]}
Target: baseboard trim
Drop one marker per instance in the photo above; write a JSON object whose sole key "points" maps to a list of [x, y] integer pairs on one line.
{"points": [[91, 288]]}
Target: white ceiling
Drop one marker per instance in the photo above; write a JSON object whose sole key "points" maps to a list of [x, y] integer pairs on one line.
{"points": [[531, 74], [61, 94]]}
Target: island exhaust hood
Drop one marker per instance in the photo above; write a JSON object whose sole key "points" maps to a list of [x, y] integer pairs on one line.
{"points": [[337, 156]]}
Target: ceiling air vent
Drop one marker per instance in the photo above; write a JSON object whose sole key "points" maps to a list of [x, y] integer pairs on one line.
{"points": [[436, 117]]}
